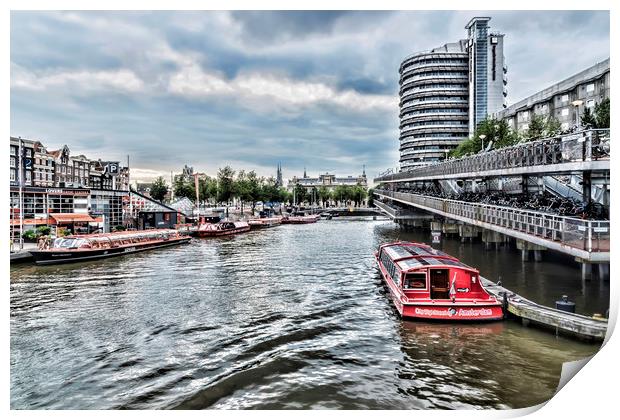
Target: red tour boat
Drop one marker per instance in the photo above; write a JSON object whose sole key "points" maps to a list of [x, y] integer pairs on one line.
{"points": [[301, 218], [425, 283], [77, 248], [264, 222], [225, 228]]}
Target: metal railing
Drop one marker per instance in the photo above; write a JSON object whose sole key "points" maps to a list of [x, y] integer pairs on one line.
{"points": [[588, 235], [394, 212], [583, 146]]}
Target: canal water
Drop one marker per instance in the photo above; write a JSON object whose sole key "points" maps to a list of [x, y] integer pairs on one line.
{"points": [[289, 317]]}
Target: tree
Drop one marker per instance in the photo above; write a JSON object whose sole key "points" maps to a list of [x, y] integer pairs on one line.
{"points": [[241, 188], [601, 113], [159, 189], [371, 199], [184, 188], [300, 194], [553, 126], [536, 128], [225, 184], [323, 194], [340, 194], [269, 191], [359, 194], [254, 185], [588, 120], [497, 133]]}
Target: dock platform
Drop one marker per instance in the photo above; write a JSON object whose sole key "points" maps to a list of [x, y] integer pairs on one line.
{"points": [[20, 257], [562, 322]]}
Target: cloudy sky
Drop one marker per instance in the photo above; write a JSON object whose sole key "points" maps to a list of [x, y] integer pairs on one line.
{"points": [[251, 89]]}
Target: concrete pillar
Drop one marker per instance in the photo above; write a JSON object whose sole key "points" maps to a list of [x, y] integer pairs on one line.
{"points": [[524, 186], [537, 255], [450, 227], [468, 232], [490, 237], [437, 225], [586, 271], [587, 187], [526, 247], [603, 272]]}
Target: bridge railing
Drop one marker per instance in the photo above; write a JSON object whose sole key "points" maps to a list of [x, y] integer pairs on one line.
{"points": [[394, 212], [583, 146], [588, 235]]}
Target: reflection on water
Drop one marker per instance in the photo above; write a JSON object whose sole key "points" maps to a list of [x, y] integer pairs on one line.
{"points": [[290, 317]]}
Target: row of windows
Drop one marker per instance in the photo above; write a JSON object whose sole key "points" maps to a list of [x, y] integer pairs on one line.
{"points": [[432, 135], [439, 98], [436, 61], [434, 148], [27, 151], [544, 109], [436, 111], [390, 267], [436, 86], [425, 123], [434, 74]]}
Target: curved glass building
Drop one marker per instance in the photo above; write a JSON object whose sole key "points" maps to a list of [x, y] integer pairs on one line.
{"points": [[434, 95], [446, 92]]}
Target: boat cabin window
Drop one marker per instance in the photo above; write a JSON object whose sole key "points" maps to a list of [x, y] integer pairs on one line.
{"points": [[415, 281], [68, 242]]}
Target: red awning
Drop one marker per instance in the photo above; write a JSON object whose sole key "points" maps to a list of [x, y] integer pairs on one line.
{"points": [[29, 221], [70, 217]]}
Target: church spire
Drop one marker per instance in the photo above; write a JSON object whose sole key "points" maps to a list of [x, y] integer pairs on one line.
{"points": [[305, 176]]}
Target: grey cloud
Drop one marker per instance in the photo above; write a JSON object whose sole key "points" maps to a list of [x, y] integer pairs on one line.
{"points": [[346, 51]]}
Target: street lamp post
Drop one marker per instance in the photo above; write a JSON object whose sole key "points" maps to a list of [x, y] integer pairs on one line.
{"points": [[577, 103], [482, 137]]}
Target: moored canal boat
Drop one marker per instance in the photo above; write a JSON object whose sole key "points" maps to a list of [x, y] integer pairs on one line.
{"points": [[76, 248], [264, 222], [224, 228], [301, 218], [425, 283]]}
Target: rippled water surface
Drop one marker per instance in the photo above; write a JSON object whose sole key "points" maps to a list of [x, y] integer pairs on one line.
{"points": [[289, 317]]}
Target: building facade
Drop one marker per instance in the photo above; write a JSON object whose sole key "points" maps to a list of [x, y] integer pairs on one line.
{"points": [[446, 91], [487, 71], [58, 188], [330, 181], [566, 100]]}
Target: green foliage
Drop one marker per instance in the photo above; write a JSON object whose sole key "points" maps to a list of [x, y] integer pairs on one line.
{"points": [[358, 194], [541, 127], [225, 184], [300, 194], [43, 230], [207, 188], [29, 235], [601, 112], [553, 126], [536, 127], [184, 188], [119, 228], [496, 131], [370, 197], [324, 195], [588, 119], [269, 191], [159, 189]]}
